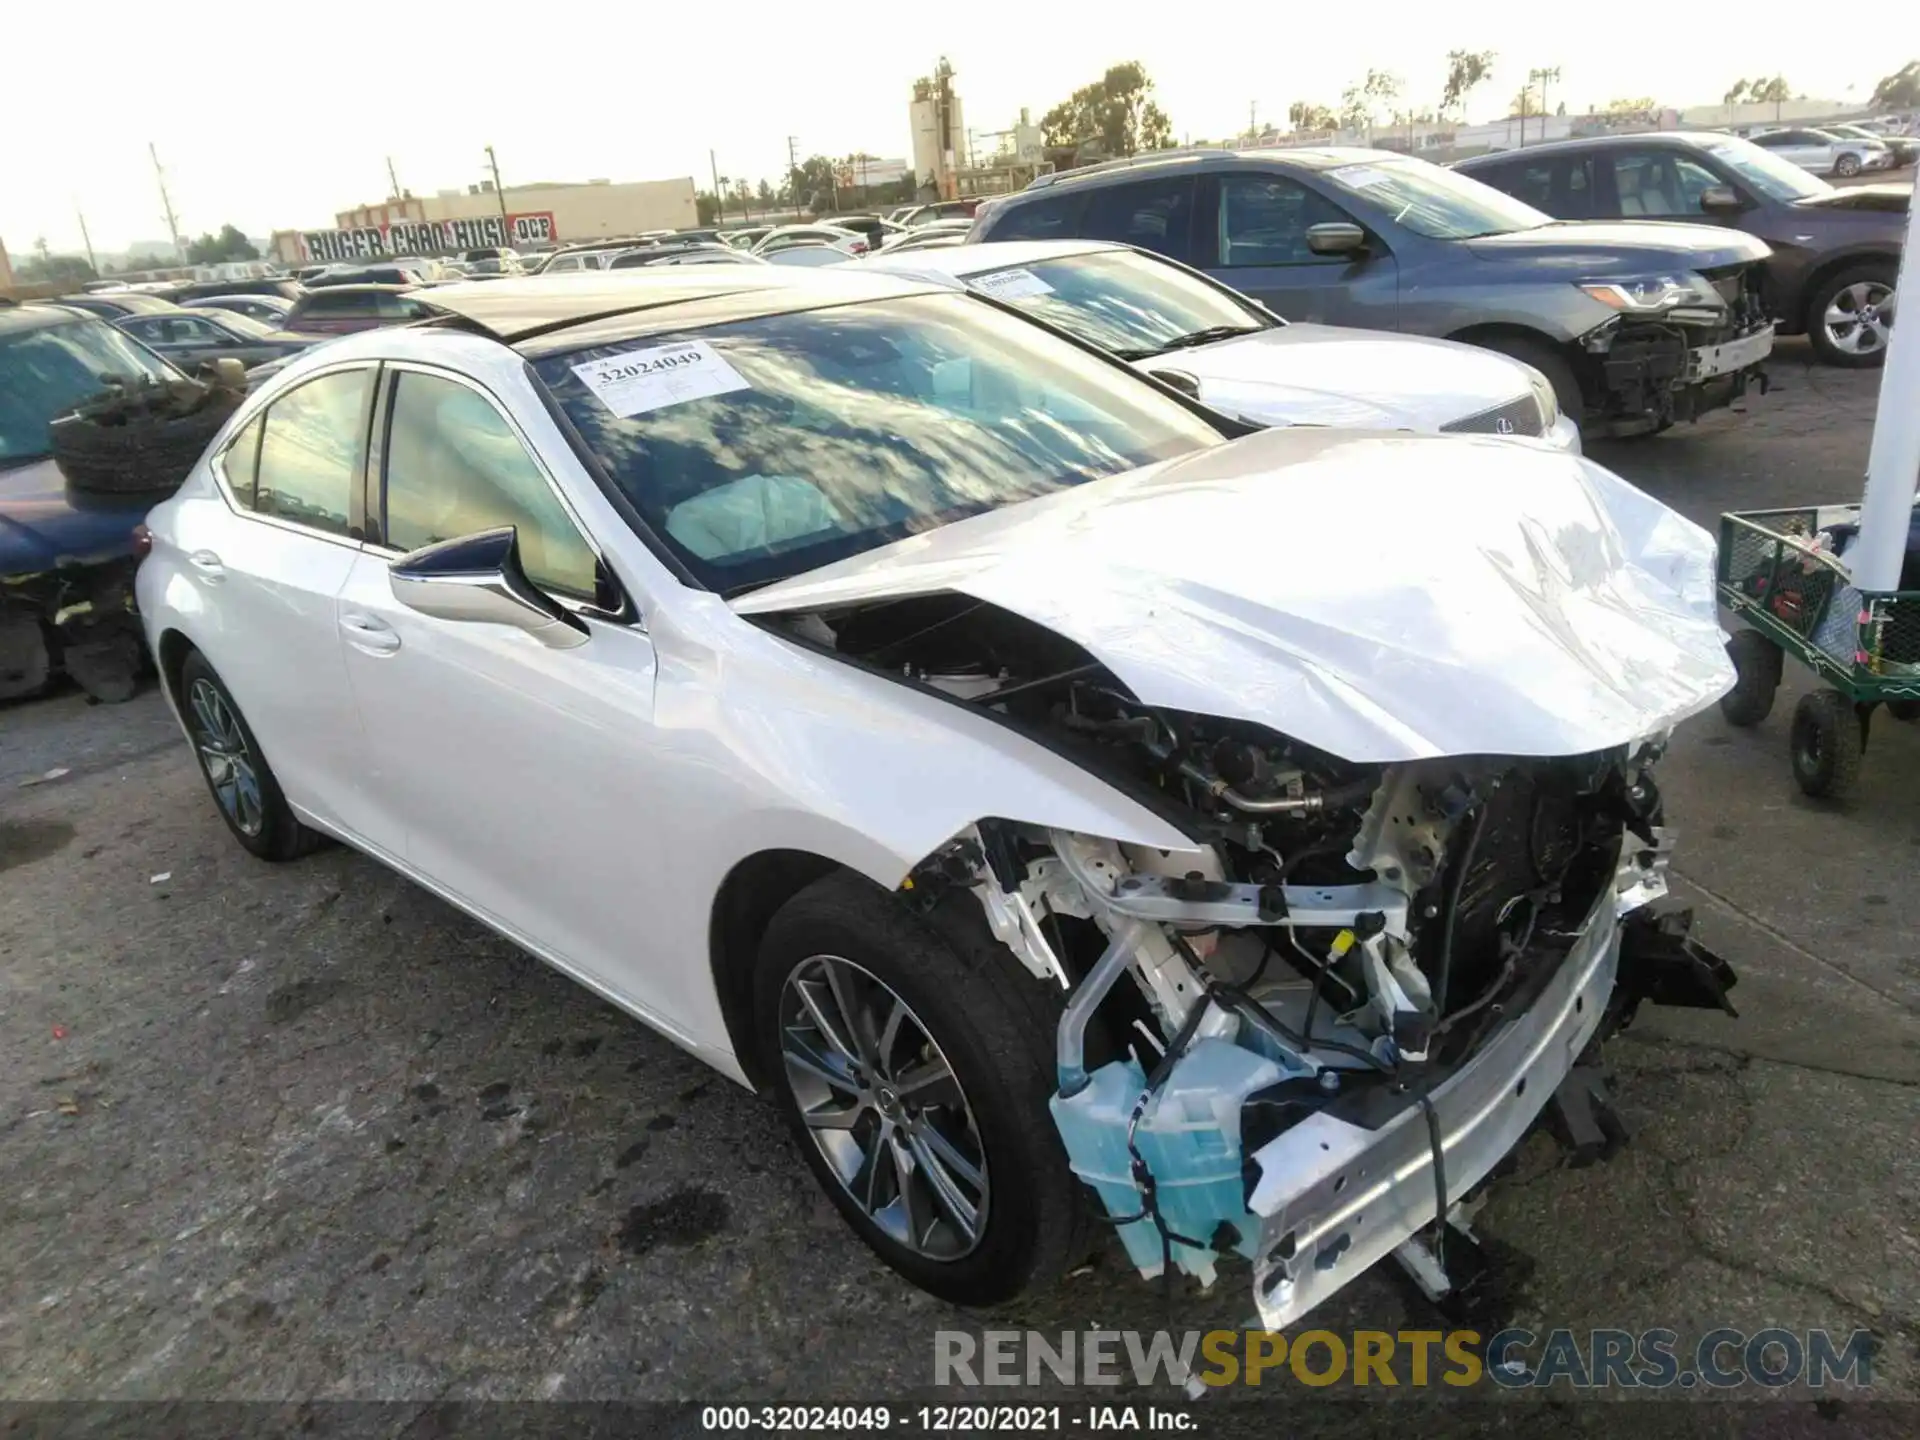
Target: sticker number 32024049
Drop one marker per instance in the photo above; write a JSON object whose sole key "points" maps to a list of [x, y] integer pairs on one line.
{"points": [[642, 380]]}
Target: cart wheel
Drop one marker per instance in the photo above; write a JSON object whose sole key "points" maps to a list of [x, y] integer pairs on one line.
{"points": [[1828, 742], [1908, 710], [1756, 666]]}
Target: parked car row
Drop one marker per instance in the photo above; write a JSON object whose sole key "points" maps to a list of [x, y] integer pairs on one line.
{"points": [[1636, 327], [1834, 253], [1018, 777]]}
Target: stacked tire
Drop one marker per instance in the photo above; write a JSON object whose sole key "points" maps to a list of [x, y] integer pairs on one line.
{"points": [[141, 440]]}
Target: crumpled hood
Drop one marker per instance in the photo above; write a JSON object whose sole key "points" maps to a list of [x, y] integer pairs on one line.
{"points": [[43, 524], [1382, 597], [1317, 375]]}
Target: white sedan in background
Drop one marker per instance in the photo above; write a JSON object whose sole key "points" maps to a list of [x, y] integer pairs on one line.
{"points": [[1235, 355], [1824, 153]]}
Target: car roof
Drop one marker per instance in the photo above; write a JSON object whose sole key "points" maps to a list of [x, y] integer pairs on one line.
{"points": [[350, 291], [540, 315], [15, 319], [1693, 139], [1319, 157], [961, 261]]}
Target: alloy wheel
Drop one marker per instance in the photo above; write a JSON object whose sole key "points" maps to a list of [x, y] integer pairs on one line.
{"points": [[228, 759], [1859, 319], [882, 1103]]}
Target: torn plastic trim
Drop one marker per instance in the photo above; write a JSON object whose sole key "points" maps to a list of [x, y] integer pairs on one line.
{"points": [[1333, 1198]]}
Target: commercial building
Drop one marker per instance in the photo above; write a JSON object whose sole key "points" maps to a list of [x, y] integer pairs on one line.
{"points": [[517, 215]]}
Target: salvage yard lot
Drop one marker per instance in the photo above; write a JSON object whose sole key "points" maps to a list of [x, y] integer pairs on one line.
{"points": [[279, 1132]]}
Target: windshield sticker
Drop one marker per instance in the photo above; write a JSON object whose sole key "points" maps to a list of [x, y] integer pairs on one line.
{"points": [[1359, 176], [643, 380], [1011, 285]]}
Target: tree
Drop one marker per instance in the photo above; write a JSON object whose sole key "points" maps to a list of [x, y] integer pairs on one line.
{"points": [[1640, 107], [764, 195], [1521, 105], [1465, 70], [229, 244], [1900, 90], [1362, 100], [705, 207], [1116, 113], [44, 265], [1775, 92], [1304, 115]]}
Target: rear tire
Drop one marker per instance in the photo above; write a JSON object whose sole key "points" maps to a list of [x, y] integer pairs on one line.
{"points": [[1828, 745], [238, 777], [1757, 664], [981, 1016]]}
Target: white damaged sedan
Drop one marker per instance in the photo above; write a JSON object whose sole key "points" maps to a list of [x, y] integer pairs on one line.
{"points": [[1055, 796], [1241, 358]]}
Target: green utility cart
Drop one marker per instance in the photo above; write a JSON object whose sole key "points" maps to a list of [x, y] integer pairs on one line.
{"points": [[1794, 597]]}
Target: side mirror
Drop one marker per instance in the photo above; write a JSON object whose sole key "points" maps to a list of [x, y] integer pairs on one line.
{"points": [[226, 373], [478, 578], [1336, 237], [1720, 200]]}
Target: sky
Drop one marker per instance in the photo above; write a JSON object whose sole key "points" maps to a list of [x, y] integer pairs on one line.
{"points": [[283, 119]]}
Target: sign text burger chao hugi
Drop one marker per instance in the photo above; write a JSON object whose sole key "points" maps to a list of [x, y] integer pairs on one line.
{"points": [[427, 237]]}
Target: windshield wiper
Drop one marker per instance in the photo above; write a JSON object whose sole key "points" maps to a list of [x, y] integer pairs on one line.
{"points": [[1190, 340]]}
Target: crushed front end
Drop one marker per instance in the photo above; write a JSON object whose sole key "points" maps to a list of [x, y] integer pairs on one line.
{"points": [[1676, 347], [1304, 1040]]}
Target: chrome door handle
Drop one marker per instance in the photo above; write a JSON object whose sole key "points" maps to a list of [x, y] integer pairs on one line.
{"points": [[366, 633], [208, 564]]}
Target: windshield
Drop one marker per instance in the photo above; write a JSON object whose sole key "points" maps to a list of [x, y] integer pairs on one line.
{"points": [[1766, 172], [763, 448], [1438, 204], [1126, 304], [46, 371]]}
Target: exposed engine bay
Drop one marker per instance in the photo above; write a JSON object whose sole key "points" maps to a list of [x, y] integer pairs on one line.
{"points": [[1350, 957], [1644, 373]]}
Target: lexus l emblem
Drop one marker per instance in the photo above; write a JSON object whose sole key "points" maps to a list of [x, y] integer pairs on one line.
{"points": [[1503, 426]]}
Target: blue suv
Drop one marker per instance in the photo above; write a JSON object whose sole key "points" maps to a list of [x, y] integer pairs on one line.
{"points": [[1637, 326]]}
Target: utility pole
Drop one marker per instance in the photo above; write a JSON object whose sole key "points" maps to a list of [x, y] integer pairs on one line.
{"points": [[393, 180], [1543, 76], [719, 195], [793, 171], [506, 228], [86, 239], [166, 203], [1253, 124]]}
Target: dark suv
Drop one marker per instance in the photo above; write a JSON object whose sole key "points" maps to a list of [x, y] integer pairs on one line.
{"points": [[1835, 252], [1636, 326]]}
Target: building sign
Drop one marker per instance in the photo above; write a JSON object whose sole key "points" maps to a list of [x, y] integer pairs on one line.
{"points": [[427, 237]]}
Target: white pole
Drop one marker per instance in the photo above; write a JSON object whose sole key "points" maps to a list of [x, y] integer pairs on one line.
{"points": [[1893, 464]]}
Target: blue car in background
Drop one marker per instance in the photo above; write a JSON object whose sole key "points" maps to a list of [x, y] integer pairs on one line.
{"points": [[67, 556]]}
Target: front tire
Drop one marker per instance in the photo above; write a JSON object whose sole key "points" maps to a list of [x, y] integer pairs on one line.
{"points": [[1847, 166], [1829, 742], [238, 777], [1846, 319], [911, 1057]]}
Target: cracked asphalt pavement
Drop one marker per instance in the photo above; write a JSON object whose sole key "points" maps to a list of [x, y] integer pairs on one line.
{"points": [[305, 1131]]}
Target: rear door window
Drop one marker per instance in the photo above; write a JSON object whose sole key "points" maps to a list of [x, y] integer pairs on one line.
{"points": [[312, 450], [1156, 215]]}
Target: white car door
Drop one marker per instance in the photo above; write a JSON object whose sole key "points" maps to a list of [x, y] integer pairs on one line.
{"points": [[268, 558], [516, 777]]}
